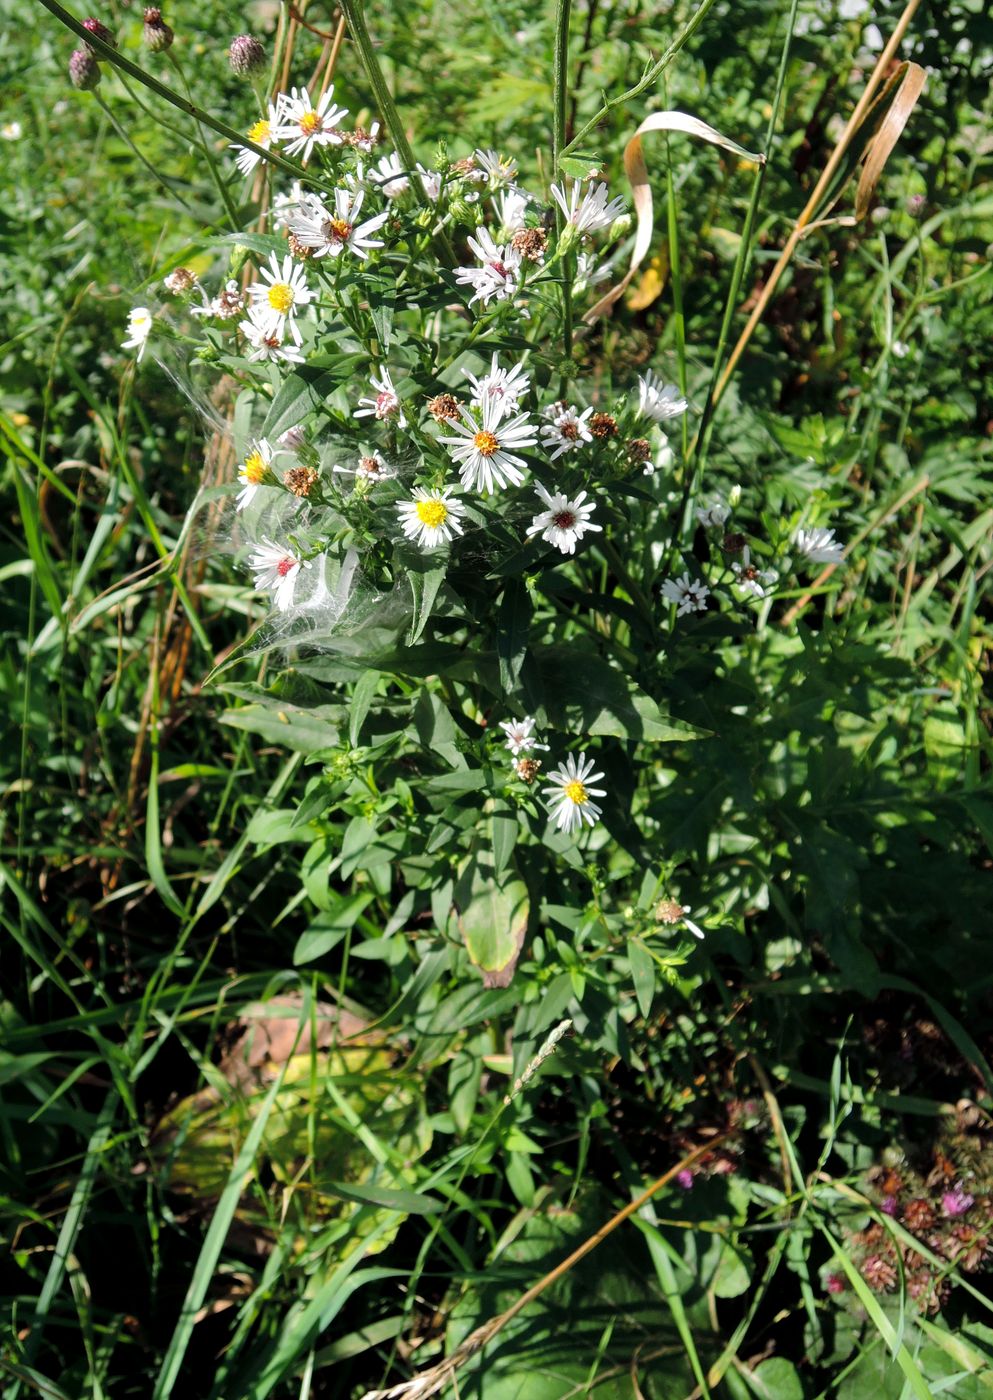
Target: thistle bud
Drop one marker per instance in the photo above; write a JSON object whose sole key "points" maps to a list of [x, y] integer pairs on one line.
{"points": [[157, 34], [84, 71], [99, 31], [246, 55]]}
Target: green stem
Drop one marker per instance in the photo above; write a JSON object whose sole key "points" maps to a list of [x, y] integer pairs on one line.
{"points": [[209, 156], [355, 20], [690, 486], [646, 81], [640, 599], [560, 80], [159, 178]]}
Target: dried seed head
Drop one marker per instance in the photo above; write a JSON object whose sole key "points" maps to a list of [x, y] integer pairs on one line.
{"points": [[639, 450], [530, 243], [603, 425], [527, 768], [179, 280], [300, 480], [157, 34], [99, 31], [465, 166], [246, 55], [733, 543], [84, 71], [298, 249], [918, 1215], [667, 911], [444, 408]]}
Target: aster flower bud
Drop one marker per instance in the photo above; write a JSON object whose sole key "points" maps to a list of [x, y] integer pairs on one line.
{"points": [[294, 438], [84, 71], [246, 55], [99, 31], [157, 34]]}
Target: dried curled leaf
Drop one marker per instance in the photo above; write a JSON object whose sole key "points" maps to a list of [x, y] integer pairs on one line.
{"points": [[637, 173]]}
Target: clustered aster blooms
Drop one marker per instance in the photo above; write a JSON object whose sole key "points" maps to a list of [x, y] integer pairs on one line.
{"points": [[430, 420]]}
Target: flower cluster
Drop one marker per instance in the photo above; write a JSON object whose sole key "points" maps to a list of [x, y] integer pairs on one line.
{"points": [[422, 299]]}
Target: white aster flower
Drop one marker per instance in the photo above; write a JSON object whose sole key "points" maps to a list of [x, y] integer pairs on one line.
{"points": [[520, 735], [588, 273], [568, 428], [688, 594], [390, 176], [431, 516], [712, 517], [431, 183], [486, 451], [564, 522], [752, 579], [263, 133], [505, 387], [329, 233], [139, 329], [499, 274], [266, 343], [286, 203], [11, 131], [819, 546], [659, 401], [386, 404], [498, 169], [304, 126], [588, 212], [569, 796], [276, 569], [369, 469], [511, 208], [255, 471], [281, 294]]}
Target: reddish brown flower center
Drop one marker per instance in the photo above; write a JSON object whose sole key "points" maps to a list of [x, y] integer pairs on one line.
{"points": [[284, 566], [565, 519]]}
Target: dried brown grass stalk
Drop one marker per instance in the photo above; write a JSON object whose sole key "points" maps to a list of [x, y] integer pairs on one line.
{"points": [[882, 144], [430, 1382]]}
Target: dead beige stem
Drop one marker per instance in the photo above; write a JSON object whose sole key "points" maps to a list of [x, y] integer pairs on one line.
{"points": [[430, 1382], [854, 122]]}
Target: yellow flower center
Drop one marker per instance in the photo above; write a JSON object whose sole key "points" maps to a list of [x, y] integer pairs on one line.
{"points": [[575, 792], [432, 513], [260, 132], [337, 230], [281, 297], [309, 123], [485, 444], [254, 469]]}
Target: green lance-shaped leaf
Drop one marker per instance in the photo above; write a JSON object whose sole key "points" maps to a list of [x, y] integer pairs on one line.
{"points": [[491, 914]]}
